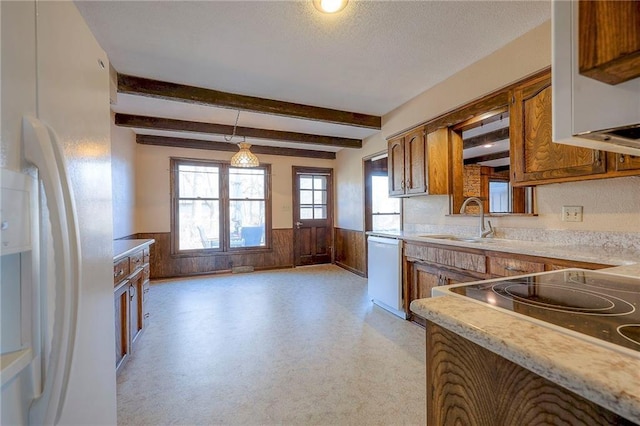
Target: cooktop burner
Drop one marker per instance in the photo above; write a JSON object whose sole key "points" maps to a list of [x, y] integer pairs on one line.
{"points": [[597, 304]]}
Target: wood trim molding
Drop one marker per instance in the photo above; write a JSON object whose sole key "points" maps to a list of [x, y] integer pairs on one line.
{"points": [[488, 157], [157, 123], [198, 95], [491, 101], [230, 147]]}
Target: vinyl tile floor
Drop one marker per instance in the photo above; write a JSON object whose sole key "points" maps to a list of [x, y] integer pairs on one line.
{"points": [[296, 346]]}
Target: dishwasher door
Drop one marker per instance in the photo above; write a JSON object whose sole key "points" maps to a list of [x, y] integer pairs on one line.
{"points": [[385, 274]]}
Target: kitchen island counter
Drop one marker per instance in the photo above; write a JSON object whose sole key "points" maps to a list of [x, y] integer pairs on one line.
{"points": [[607, 377]]}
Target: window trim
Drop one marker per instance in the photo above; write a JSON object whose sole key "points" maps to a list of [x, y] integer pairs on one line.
{"points": [[225, 248]]}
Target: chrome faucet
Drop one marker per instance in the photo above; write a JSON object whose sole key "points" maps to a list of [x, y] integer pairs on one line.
{"points": [[484, 232]]}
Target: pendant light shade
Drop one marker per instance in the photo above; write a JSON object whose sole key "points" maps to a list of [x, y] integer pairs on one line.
{"points": [[244, 157]]}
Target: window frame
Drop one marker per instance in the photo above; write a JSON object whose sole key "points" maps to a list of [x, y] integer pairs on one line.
{"points": [[224, 193]]}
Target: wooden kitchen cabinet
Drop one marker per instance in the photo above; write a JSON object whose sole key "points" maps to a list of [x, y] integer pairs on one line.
{"points": [[509, 266], [535, 158], [419, 164], [428, 266], [470, 385], [131, 294], [609, 40], [408, 164]]}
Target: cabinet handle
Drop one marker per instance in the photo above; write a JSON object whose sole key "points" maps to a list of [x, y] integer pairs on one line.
{"points": [[622, 158], [409, 184], [146, 316], [402, 184], [513, 269], [596, 157], [132, 294], [117, 274]]}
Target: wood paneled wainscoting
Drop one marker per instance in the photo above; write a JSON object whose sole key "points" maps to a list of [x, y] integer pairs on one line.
{"points": [[350, 250], [165, 265]]}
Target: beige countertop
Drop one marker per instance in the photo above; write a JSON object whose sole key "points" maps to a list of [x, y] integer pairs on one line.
{"points": [[122, 248], [581, 253]]}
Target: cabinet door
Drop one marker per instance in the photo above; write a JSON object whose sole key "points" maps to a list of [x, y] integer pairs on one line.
{"points": [[424, 277], [396, 166], [121, 296], [438, 162], [135, 306], [415, 161], [535, 158]]}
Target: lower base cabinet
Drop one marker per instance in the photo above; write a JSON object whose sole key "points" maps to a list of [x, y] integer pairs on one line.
{"points": [[470, 385], [131, 295]]}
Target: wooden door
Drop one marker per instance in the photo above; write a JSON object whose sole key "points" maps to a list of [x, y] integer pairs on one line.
{"points": [[415, 161], [535, 158], [312, 215], [396, 166]]}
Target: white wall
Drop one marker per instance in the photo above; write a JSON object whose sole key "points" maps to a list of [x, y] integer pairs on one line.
{"points": [[523, 56], [153, 207], [123, 153], [610, 205]]}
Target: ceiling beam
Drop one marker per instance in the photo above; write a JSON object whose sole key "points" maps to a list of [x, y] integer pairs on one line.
{"points": [[487, 138], [488, 157], [156, 123], [198, 95], [230, 147]]}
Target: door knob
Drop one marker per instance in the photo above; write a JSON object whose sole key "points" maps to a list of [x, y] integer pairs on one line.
{"points": [[298, 224]]}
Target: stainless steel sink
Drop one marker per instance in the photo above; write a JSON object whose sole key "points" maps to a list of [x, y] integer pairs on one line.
{"points": [[456, 238]]}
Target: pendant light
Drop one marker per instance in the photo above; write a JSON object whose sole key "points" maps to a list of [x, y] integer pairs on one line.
{"points": [[244, 157]]}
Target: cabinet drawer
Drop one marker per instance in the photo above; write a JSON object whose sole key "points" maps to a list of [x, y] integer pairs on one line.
{"points": [[135, 261], [505, 267], [120, 270], [457, 259]]}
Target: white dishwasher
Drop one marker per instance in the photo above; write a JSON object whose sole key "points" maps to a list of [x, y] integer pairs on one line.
{"points": [[385, 273]]}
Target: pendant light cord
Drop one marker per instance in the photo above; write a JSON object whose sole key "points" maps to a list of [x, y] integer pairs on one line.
{"points": [[235, 126]]}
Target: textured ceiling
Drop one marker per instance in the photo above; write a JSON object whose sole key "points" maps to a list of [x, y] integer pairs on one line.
{"points": [[371, 58]]}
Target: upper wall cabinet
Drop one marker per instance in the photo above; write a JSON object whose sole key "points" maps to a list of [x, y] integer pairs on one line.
{"points": [[408, 164], [535, 159], [609, 43], [419, 164]]}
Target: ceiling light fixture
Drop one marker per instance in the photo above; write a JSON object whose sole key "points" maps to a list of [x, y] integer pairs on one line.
{"points": [[330, 6], [244, 157]]}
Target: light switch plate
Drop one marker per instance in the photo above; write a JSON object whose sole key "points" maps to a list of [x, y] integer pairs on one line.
{"points": [[572, 213]]}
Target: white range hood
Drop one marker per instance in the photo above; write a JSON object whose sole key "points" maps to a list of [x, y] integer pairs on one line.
{"points": [[587, 112]]}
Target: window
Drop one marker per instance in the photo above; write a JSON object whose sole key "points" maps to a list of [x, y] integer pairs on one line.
{"points": [[382, 212], [218, 207], [313, 196]]}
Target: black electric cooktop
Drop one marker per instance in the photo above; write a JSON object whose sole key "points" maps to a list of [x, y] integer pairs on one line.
{"points": [[597, 304]]}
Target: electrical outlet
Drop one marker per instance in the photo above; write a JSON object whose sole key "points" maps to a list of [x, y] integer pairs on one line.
{"points": [[572, 213]]}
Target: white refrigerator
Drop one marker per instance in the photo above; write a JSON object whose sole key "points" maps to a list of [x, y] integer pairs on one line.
{"points": [[58, 357]]}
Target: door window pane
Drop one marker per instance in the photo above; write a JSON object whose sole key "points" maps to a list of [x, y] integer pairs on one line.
{"points": [[306, 197], [198, 224], [320, 182], [306, 213], [319, 197], [320, 212], [380, 200], [306, 182]]}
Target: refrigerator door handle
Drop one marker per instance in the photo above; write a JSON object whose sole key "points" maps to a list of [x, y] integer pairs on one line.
{"points": [[41, 148]]}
